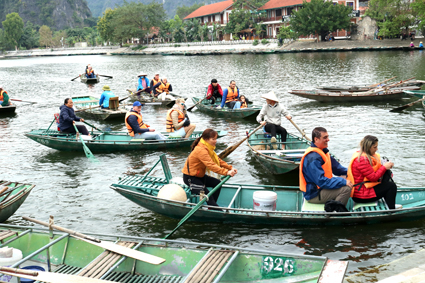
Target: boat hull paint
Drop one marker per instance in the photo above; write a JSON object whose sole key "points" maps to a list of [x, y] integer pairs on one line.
{"points": [[9, 207], [336, 97], [225, 112]]}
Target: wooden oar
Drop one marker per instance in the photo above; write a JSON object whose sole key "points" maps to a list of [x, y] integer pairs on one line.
{"points": [[401, 108], [190, 213], [75, 78], [23, 101], [86, 149], [106, 76], [190, 108], [88, 108], [104, 244], [374, 85], [231, 148], [299, 130], [49, 276]]}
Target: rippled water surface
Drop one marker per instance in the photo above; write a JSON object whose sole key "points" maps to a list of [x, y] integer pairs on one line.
{"points": [[77, 192]]}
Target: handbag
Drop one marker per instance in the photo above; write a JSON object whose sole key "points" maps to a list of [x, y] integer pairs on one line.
{"points": [[194, 188]]}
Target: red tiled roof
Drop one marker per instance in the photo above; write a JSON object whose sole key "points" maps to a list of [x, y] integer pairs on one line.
{"points": [[210, 9], [274, 4]]}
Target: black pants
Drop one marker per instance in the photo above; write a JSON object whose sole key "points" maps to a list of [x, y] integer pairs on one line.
{"points": [[214, 96], [81, 128], [274, 129], [147, 90], [387, 189], [207, 181]]}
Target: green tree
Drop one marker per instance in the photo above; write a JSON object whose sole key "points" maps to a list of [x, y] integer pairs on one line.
{"points": [[104, 25], [286, 33], [165, 30], [45, 36], [192, 29], [239, 19], [4, 43], [320, 18], [13, 28], [176, 25], [30, 37], [183, 11]]}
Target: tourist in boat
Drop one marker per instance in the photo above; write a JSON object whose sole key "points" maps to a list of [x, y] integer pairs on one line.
{"points": [[178, 122], [411, 44], [155, 83], [230, 97], [137, 128], [214, 91], [203, 159], [421, 45], [104, 98], [67, 119], [373, 178], [317, 168], [270, 117], [244, 101], [4, 97], [90, 72], [164, 89], [143, 84]]}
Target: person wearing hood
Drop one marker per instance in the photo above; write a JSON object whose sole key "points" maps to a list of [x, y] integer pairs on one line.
{"points": [[178, 122], [104, 98], [67, 119], [270, 117], [143, 83], [137, 129], [4, 97]]}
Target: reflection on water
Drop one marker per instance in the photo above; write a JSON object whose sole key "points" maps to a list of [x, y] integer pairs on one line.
{"points": [[77, 192]]}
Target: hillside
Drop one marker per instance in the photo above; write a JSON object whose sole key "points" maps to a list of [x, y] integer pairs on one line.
{"points": [[58, 14], [97, 7]]}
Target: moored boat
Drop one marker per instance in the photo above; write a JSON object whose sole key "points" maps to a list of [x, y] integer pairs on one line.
{"points": [[236, 204], [147, 99], [12, 195], [87, 102], [66, 257], [417, 93], [206, 107], [86, 80], [109, 141], [365, 87], [7, 110]]}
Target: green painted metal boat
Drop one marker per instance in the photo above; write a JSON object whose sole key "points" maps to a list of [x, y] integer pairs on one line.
{"points": [[278, 161], [12, 197], [86, 80], [87, 101], [418, 94], [147, 99], [109, 141], [237, 205], [191, 262], [206, 107]]}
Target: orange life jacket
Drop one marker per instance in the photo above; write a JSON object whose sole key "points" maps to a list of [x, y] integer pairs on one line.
{"points": [[154, 82], [163, 87], [139, 120], [169, 122], [376, 161], [90, 71], [1, 95], [244, 104], [327, 166], [232, 94]]}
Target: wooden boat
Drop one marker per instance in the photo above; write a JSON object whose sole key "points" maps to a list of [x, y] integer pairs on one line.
{"points": [[365, 87], [12, 195], [86, 80], [278, 161], [417, 93], [347, 96], [109, 141], [60, 254], [146, 99], [7, 110], [87, 101], [206, 107]]}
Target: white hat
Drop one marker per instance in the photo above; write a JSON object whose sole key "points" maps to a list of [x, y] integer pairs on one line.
{"points": [[156, 73], [270, 96], [1, 86], [142, 74]]}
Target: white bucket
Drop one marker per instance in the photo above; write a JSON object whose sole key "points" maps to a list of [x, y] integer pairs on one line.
{"points": [[265, 200], [9, 261]]}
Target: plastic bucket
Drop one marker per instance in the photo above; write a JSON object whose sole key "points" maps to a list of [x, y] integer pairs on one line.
{"points": [[264, 200], [32, 268], [9, 261]]}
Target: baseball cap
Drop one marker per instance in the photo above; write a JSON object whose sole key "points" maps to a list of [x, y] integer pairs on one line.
{"points": [[137, 103]]}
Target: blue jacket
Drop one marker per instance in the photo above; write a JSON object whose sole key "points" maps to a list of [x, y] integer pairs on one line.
{"points": [[132, 121], [66, 117], [225, 92], [104, 98], [140, 86], [315, 176]]}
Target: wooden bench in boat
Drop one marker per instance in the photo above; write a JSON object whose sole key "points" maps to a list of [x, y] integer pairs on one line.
{"points": [[6, 234], [359, 207], [86, 101], [282, 151]]}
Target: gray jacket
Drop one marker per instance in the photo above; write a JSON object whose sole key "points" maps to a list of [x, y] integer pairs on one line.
{"points": [[272, 114]]}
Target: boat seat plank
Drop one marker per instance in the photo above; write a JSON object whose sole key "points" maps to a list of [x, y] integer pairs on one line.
{"points": [[86, 101], [282, 151], [312, 207], [359, 206], [6, 234]]}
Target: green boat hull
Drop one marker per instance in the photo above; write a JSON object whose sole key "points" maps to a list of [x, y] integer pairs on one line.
{"points": [[59, 252], [10, 202], [87, 102], [149, 100], [85, 80], [225, 112]]}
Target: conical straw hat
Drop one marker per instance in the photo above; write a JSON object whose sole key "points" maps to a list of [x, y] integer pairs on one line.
{"points": [[270, 96]]}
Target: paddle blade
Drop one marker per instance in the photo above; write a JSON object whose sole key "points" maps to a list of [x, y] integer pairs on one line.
{"points": [[89, 154]]}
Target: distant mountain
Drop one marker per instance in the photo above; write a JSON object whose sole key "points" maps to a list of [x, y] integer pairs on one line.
{"points": [[97, 7], [57, 14]]}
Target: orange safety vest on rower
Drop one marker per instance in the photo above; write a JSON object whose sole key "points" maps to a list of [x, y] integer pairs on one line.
{"points": [[169, 122], [1, 95], [327, 166], [163, 87], [376, 165], [232, 94], [90, 71], [139, 120]]}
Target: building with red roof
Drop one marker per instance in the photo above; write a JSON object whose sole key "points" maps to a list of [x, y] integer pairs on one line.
{"points": [[213, 13]]}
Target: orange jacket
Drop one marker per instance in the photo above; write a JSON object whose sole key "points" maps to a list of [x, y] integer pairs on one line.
{"points": [[327, 166], [199, 160], [169, 120]]}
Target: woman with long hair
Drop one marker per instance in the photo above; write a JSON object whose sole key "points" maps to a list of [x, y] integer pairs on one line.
{"points": [[203, 159], [373, 178]]}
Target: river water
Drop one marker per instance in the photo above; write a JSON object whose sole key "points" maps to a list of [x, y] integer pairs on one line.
{"points": [[76, 191]]}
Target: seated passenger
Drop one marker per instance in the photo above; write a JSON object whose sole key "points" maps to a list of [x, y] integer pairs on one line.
{"points": [[135, 126], [178, 122], [202, 159], [143, 84], [317, 168], [230, 97], [4, 97], [164, 89], [374, 179], [104, 98], [214, 91], [67, 119], [421, 45], [272, 113], [244, 101], [155, 83], [90, 72]]}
